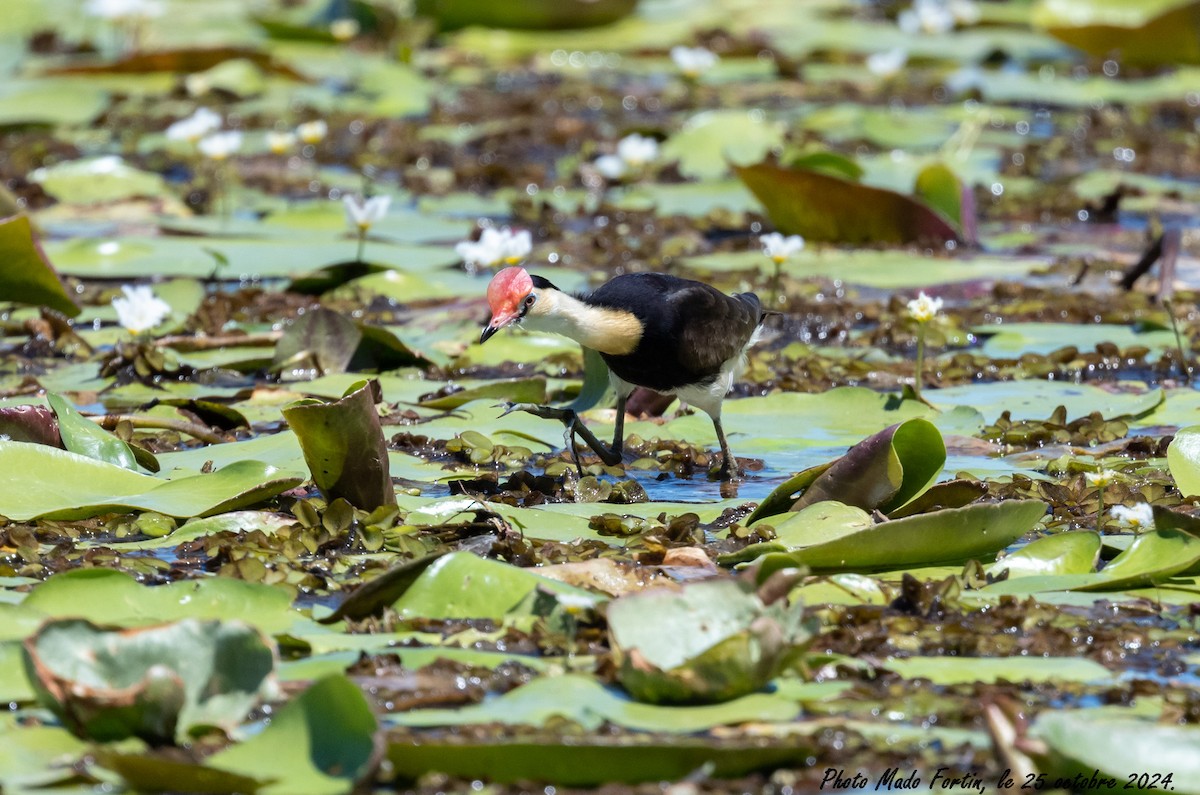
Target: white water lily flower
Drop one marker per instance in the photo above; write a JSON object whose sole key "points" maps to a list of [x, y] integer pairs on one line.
{"points": [[313, 132], [693, 61], [780, 248], [280, 142], [124, 9], [1138, 517], [496, 247], [344, 29], [634, 152], [1101, 478], [361, 215], [196, 126], [887, 63], [923, 308], [140, 309], [219, 146]]}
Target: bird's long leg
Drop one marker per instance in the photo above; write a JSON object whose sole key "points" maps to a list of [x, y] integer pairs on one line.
{"points": [[618, 444], [729, 467], [574, 426]]}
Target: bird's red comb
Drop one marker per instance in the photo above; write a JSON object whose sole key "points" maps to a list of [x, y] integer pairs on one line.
{"points": [[509, 286]]}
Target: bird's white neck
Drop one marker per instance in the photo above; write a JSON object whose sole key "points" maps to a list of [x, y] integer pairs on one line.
{"points": [[603, 329]]}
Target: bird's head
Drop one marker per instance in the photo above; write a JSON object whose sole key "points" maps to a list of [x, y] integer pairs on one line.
{"points": [[512, 295]]}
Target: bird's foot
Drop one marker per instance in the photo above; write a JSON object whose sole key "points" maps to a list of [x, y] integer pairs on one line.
{"points": [[728, 471]]}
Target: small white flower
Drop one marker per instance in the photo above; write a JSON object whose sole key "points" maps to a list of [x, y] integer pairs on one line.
{"points": [[1139, 517], [634, 152], [927, 16], [496, 247], [196, 126], [140, 309], [313, 132], [344, 29], [280, 142], [780, 248], [124, 9], [219, 146], [575, 603], [611, 166], [361, 215], [923, 308], [1101, 478], [693, 61], [887, 63]]}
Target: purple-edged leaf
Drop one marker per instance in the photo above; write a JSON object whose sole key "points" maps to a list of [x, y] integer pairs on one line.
{"points": [[34, 424], [26, 276], [820, 206]]}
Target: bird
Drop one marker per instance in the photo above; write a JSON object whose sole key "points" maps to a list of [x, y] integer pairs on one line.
{"points": [[672, 335]]}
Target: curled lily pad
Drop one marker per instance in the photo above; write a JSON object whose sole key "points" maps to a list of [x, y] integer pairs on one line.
{"points": [[320, 743], [159, 683], [344, 447], [884, 471], [711, 641], [26, 276], [34, 424], [821, 206], [1183, 459], [81, 435]]}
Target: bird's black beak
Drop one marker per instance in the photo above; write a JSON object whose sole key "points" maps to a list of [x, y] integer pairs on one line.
{"points": [[488, 331]]}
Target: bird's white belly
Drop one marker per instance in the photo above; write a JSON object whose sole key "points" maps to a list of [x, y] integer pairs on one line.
{"points": [[706, 397]]}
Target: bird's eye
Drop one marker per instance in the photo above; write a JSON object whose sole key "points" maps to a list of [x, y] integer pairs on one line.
{"points": [[529, 300]]}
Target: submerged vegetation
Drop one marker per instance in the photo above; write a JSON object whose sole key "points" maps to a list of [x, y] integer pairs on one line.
{"points": [[268, 520]]}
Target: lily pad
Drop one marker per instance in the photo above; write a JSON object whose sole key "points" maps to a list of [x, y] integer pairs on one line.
{"points": [[823, 207], [26, 276], [344, 447], [159, 683], [942, 537], [320, 743], [1183, 459], [713, 641], [1130, 32], [98, 487], [1074, 552], [529, 15], [81, 435]]}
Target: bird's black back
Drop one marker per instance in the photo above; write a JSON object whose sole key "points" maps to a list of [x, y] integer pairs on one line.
{"points": [[690, 329]]}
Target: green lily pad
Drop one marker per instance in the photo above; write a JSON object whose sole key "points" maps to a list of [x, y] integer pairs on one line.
{"points": [[115, 598], [530, 15], [710, 141], [95, 180], [344, 447], [588, 703], [1149, 559], [713, 641], [159, 683], [320, 743], [462, 585], [320, 340], [942, 537], [1116, 748], [37, 756], [1183, 459], [1075, 552], [989, 670], [81, 435], [516, 390], [26, 276], [98, 487], [823, 207]]}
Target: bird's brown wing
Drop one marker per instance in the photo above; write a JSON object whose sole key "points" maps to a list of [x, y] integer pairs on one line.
{"points": [[729, 323]]}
